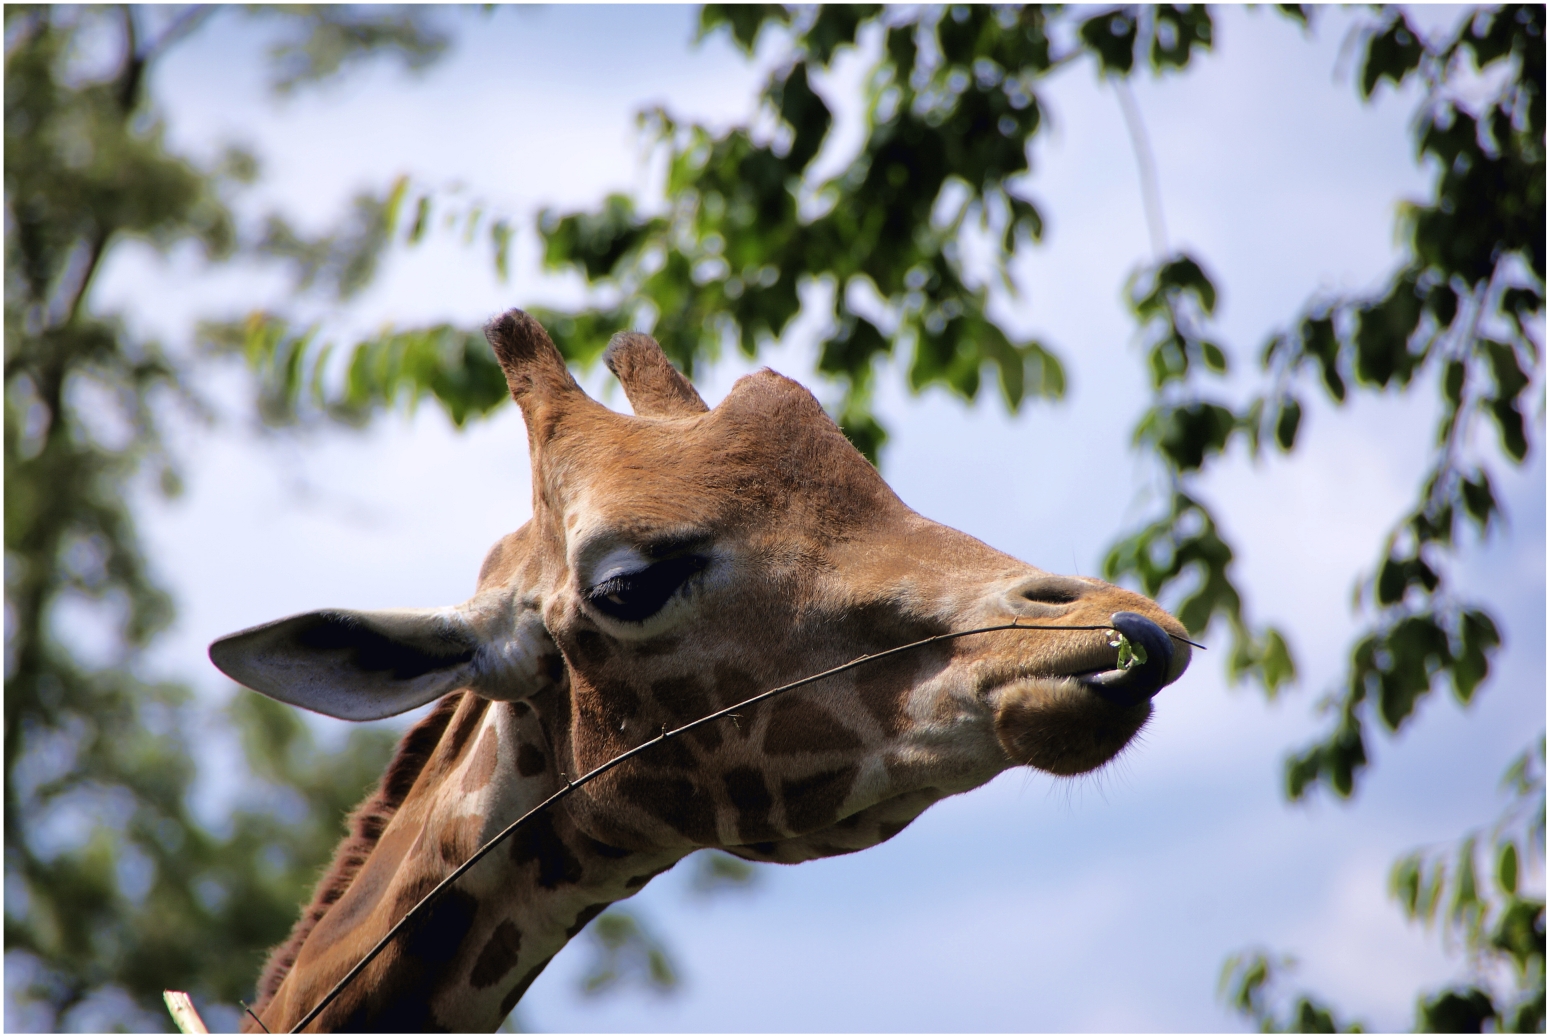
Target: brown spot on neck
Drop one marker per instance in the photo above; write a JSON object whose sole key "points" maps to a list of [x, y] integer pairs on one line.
{"points": [[797, 726], [497, 957], [813, 802], [530, 760]]}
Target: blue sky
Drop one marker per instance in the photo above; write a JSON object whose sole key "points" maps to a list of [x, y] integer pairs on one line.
{"points": [[1108, 902]]}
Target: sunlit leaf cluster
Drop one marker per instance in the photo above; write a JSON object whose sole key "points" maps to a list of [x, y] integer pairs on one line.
{"points": [[748, 223]]}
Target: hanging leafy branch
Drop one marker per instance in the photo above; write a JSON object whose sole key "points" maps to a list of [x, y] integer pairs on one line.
{"points": [[1469, 301], [949, 111], [1468, 305], [1494, 911], [1184, 547]]}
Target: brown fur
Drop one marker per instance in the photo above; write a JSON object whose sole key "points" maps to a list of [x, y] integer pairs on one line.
{"points": [[365, 826]]}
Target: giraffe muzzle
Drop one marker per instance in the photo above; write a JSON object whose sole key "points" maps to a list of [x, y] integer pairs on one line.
{"points": [[1141, 681]]}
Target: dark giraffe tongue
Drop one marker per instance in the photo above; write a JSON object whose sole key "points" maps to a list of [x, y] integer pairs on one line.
{"points": [[1139, 682]]}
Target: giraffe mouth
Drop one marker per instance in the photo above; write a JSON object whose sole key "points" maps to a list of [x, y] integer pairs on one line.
{"points": [[1093, 666], [1147, 669], [1076, 721]]}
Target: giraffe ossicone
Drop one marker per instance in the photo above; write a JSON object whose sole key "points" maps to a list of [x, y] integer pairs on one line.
{"points": [[677, 562]]}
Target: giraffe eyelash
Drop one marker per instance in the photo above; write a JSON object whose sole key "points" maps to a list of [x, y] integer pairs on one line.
{"points": [[636, 596]]}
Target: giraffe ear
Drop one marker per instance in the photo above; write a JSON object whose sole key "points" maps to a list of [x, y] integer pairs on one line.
{"points": [[360, 665]]}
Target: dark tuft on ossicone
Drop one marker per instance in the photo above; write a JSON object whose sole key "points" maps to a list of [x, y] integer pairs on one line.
{"points": [[653, 385], [516, 337], [527, 355]]}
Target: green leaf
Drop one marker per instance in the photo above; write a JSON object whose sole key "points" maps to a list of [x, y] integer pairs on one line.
{"points": [[1453, 381], [1177, 277], [1414, 648], [716, 871], [1264, 656], [393, 204], [1111, 37], [836, 25], [1321, 343], [1334, 761], [1178, 30], [1403, 883], [598, 243], [1287, 423], [1455, 1010], [1186, 435], [1519, 935], [1296, 12], [421, 220], [1382, 355], [745, 21], [1511, 426], [804, 112], [1478, 500], [1441, 301], [1510, 381], [1391, 55], [500, 238], [1480, 638], [1505, 867], [1465, 904], [1214, 357], [1130, 654]]}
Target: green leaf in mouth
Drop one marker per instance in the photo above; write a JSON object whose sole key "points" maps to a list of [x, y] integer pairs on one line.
{"points": [[1130, 654]]}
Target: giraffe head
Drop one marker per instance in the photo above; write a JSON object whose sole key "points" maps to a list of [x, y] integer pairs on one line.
{"points": [[682, 559]]}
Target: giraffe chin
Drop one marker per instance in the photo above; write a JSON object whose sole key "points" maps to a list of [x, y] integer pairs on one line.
{"points": [[1057, 725]]}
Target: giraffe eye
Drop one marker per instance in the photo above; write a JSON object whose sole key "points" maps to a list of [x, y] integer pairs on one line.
{"points": [[636, 596]]}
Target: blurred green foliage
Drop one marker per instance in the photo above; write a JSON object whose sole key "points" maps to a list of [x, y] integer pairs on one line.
{"points": [[115, 890], [756, 227]]}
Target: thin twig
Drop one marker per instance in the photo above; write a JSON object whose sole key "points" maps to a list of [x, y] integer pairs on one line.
{"points": [[569, 785], [254, 1017], [1150, 187]]}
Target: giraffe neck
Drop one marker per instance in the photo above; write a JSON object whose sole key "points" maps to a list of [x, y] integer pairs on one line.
{"points": [[466, 962]]}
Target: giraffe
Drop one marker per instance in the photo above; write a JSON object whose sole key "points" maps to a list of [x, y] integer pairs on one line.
{"points": [[677, 561]]}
